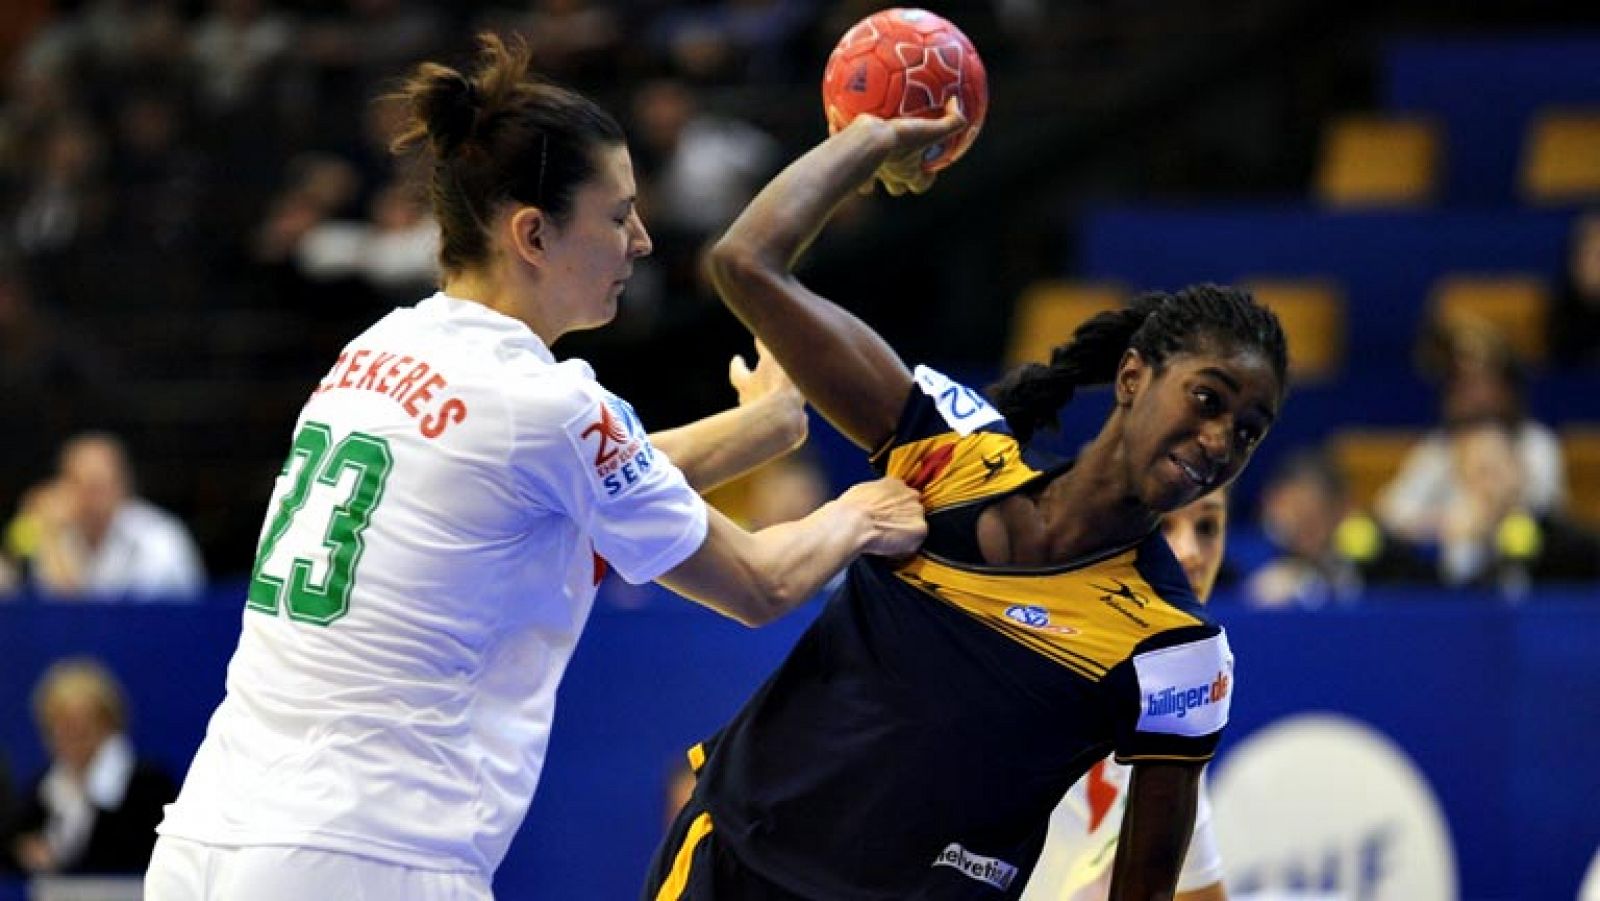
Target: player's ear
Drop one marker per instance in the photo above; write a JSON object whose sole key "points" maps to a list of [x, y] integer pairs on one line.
{"points": [[1132, 372], [527, 231]]}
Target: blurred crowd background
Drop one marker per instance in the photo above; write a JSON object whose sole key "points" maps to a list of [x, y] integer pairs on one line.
{"points": [[197, 210]]}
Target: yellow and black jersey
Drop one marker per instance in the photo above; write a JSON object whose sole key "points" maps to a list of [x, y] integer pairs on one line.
{"points": [[915, 740]]}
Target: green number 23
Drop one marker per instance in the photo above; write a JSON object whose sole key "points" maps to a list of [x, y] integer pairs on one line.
{"points": [[309, 602]]}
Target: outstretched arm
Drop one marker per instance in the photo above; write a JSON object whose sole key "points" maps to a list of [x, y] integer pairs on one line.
{"points": [[769, 421], [841, 365], [756, 577], [1155, 830]]}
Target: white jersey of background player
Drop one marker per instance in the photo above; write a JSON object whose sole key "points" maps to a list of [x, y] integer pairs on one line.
{"points": [[1082, 842], [452, 498]]}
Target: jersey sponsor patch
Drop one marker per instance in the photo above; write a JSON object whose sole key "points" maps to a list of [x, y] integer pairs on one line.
{"points": [[1186, 690], [616, 451], [990, 870], [962, 408]]}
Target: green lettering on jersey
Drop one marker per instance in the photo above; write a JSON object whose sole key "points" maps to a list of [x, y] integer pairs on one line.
{"points": [[308, 601]]}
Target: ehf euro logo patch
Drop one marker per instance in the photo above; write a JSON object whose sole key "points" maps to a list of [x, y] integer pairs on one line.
{"points": [[614, 447]]}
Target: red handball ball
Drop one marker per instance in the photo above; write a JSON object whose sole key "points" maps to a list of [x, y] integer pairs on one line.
{"points": [[907, 62]]}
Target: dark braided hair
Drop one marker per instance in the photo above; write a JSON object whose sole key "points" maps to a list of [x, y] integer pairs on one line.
{"points": [[498, 135], [1157, 325]]}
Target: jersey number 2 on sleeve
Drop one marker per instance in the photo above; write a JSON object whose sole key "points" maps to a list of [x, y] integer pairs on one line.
{"points": [[310, 602]]}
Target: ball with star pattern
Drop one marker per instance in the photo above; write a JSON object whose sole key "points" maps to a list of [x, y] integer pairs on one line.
{"points": [[907, 62]]}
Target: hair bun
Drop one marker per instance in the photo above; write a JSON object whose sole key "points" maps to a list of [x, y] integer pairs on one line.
{"points": [[450, 108]]}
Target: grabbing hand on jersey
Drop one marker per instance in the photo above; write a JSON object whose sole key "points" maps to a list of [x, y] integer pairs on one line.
{"points": [[894, 514]]}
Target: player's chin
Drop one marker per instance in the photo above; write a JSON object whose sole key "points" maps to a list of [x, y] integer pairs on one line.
{"points": [[1164, 495]]}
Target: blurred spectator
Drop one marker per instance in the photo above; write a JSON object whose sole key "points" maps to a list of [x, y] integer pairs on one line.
{"points": [[702, 168], [1329, 551], [64, 200], [318, 187], [96, 808], [1575, 328], [575, 41], [1488, 536], [235, 48], [733, 41], [1481, 381], [39, 359], [396, 250], [86, 533], [159, 176]]}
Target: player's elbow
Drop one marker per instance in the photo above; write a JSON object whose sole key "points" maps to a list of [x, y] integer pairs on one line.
{"points": [[770, 594], [738, 269]]}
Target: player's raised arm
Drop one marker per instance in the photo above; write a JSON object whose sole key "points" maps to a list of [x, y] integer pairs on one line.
{"points": [[847, 371], [769, 421], [1155, 830]]}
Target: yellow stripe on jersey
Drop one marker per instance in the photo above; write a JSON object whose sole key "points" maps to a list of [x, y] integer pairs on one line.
{"points": [[697, 757], [949, 469], [1087, 619], [678, 879]]}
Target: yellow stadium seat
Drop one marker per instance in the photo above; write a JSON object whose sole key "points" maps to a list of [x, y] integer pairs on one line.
{"points": [[1517, 306], [1376, 160], [1050, 310], [1369, 458], [1561, 157], [1580, 446], [1312, 313]]}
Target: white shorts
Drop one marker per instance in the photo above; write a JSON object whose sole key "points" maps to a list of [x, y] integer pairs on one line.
{"points": [[183, 870]]}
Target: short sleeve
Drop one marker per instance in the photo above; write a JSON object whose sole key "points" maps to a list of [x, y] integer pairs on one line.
{"points": [[582, 451], [1184, 690]]}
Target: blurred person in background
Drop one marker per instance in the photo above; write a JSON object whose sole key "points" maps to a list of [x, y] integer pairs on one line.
{"points": [[86, 533], [1481, 380], [1575, 323], [50, 380], [96, 808], [1084, 828], [702, 167], [235, 49], [451, 501], [64, 202], [1490, 538], [394, 250], [1329, 551]]}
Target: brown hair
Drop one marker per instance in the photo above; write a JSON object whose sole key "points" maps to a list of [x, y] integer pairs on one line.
{"points": [[500, 134]]}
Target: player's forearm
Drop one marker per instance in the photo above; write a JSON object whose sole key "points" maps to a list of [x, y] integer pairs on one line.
{"points": [[726, 445], [755, 578], [781, 222], [1156, 826], [794, 560]]}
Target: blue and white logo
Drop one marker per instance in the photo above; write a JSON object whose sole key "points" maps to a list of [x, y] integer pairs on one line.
{"points": [[1029, 615], [962, 408]]}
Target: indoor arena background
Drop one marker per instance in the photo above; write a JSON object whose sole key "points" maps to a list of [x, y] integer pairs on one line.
{"points": [[196, 213]]}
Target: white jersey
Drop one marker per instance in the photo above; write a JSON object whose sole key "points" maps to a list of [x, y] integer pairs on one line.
{"points": [[431, 553], [1082, 842]]}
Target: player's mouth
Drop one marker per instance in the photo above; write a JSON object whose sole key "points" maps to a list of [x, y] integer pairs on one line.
{"points": [[1203, 477]]}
